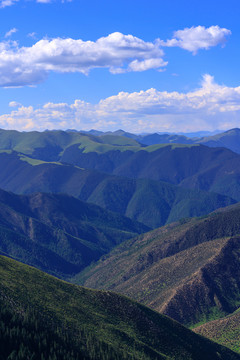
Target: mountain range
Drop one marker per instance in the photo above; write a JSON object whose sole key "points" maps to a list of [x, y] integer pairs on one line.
{"points": [[154, 217], [154, 203]]}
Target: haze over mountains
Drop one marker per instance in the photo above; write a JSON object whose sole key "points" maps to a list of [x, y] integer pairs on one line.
{"points": [[154, 217]]}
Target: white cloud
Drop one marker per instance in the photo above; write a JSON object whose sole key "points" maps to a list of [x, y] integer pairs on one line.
{"points": [[199, 37], [14, 104], [210, 107], [5, 3], [119, 53], [10, 32]]}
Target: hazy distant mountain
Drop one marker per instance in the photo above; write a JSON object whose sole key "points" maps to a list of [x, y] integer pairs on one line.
{"points": [[229, 139], [43, 316]]}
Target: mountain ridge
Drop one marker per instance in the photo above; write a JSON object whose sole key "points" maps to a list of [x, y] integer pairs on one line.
{"points": [[182, 270]]}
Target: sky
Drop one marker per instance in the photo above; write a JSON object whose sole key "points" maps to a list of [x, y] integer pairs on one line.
{"points": [[137, 65]]}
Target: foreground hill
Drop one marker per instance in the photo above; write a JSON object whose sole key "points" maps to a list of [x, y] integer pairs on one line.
{"points": [[58, 233], [52, 319], [189, 271], [150, 202]]}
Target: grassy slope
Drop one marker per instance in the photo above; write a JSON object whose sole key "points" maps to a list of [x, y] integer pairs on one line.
{"points": [[49, 145], [188, 271], [124, 325]]}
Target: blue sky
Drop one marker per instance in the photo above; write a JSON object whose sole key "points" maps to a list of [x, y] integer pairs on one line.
{"points": [[142, 66]]}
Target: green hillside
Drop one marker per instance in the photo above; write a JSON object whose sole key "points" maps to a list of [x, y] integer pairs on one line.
{"points": [[49, 145], [87, 324]]}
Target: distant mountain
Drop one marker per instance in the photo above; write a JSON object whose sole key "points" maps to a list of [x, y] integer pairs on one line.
{"points": [[188, 271], [229, 139], [42, 317], [151, 202], [197, 134], [164, 139], [49, 145], [58, 233]]}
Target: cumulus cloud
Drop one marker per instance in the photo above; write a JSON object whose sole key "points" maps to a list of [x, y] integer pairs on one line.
{"points": [[199, 37], [210, 107], [119, 53]]}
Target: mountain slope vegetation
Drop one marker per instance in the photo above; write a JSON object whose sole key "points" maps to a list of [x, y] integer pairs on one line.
{"points": [[189, 271], [93, 324]]}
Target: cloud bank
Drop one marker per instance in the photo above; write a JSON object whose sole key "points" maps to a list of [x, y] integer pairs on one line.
{"points": [[20, 66], [210, 107], [119, 53]]}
